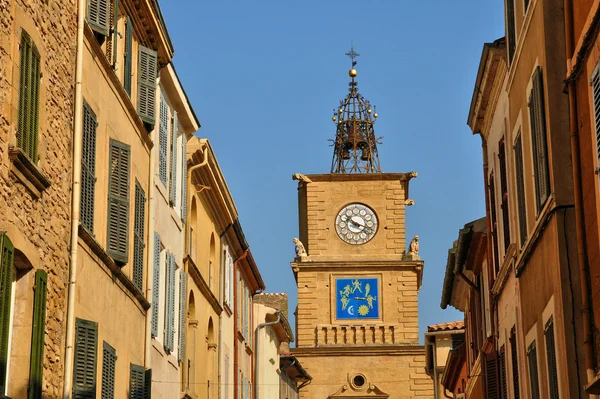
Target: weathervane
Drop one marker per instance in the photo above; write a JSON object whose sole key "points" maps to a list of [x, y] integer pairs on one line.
{"points": [[352, 54]]}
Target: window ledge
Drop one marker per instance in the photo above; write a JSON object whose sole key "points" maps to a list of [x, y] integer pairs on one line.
{"points": [[116, 271], [502, 276], [28, 173]]}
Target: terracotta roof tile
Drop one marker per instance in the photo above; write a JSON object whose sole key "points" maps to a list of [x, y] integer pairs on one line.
{"points": [[449, 326]]}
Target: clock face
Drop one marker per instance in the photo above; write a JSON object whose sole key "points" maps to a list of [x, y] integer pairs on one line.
{"points": [[356, 224]]}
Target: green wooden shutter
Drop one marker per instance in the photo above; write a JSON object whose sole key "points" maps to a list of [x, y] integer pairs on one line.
{"points": [[184, 179], [182, 303], [118, 202], [109, 359], [137, 384], [138, 237], [511, 31], [522, 213], [38, 333], [551, 359], [88, 168], [98, 15], [163, 139], [128, 69], [86, 347], [7, 257], [538, 131], [147, 72], [533, 371], [148, 384], [173, 179], [29, 98], [155, 285], [169, 334], [515, 363]]}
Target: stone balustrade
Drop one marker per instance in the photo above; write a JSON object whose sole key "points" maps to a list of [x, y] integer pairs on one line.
{"points": [[359, 334]]}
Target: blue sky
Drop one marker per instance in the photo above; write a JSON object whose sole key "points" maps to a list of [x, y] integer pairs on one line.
{"points": [[263, 77]]}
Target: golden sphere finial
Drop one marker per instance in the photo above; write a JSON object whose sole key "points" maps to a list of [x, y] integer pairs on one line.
{"points": [[353, 72], [333, 119]]}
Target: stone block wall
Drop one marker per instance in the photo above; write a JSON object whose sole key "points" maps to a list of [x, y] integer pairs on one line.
{"points": [[40, 227]]}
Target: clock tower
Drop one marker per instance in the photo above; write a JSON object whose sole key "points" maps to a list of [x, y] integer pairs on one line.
{"points": [[357, 317]]}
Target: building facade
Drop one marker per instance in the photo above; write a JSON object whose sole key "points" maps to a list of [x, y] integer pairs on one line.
{"points": [[36, 103], [357, 316], [440, 341], [167, 283]]}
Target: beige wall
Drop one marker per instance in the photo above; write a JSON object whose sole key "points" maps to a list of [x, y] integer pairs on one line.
{"points": [[268, 357]]}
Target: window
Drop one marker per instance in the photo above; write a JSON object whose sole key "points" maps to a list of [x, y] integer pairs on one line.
{"points": [[138, 237], [494, 221], [118, 202], [525, 5], [515, 363], [37, 334], [538, 132], [7, 257], [169, 332], [228, 288], [596, 103], [163, 139], [155, 285], [184, 178], [86, 346], [137, 383], [522, 212], [109, 358], [88, 168], [29, 98], [182, 296], [533, 371], [511, 31], [504, 194], [147, 72], [551, 358]]}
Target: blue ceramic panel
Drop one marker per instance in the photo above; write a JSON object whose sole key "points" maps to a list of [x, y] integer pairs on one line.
{"points": [[357, 298]]}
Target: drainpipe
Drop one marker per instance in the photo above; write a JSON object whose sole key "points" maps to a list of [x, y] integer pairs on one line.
{"points": [[150, 252], [75, 201], [581, 255], [256, 360]]}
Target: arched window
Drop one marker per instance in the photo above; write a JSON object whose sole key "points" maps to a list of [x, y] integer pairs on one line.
{"points": [[211, 261], [193, 230]]}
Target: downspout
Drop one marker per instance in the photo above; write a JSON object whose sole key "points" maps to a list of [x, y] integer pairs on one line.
{"points": [[581, 255], [257, 354], [75, 201], [150, 253]]}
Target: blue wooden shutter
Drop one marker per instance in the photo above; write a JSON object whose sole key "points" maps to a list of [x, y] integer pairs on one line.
{"points": [[29, 98], [86, 346], [98, 15], [184, 179], [128, 62], [7, 257], [88, 168], [137, 384], [138, 237], [38, 333], [155, 285], [169, 335], [163, 139], [182, 303], [173, 180], [109, 359], [147, 72]]}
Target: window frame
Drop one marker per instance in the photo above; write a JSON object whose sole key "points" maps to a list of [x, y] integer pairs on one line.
{"points": [[29, 97]]}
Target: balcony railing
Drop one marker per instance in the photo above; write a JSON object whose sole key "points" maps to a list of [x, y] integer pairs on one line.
{"points": [[360, 334]]}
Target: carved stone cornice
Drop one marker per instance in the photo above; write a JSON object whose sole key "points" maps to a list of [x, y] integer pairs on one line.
{"points": [[360, 350]]}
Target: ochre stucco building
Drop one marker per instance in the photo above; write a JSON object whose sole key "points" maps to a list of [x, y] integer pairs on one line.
{"points": [[357, 316]]}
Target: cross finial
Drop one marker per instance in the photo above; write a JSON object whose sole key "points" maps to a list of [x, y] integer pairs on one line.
{"points": [[352, 54]]}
